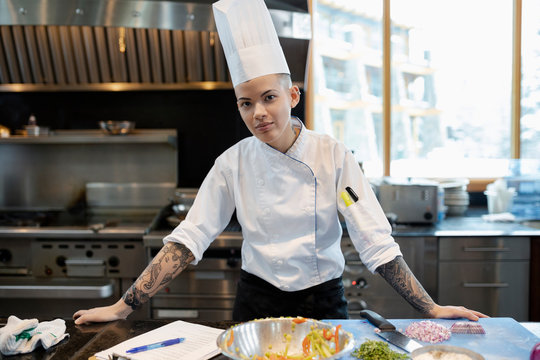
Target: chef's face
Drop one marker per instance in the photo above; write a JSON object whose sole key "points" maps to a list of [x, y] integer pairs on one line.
{"points": [[265, 105]]}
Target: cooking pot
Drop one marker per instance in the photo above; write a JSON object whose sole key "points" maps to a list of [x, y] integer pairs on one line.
{"points": [[180, 204], [183, 200], [111, 127]]}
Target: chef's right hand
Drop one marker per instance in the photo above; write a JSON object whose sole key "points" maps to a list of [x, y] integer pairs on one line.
{"points": [[117, 311]]}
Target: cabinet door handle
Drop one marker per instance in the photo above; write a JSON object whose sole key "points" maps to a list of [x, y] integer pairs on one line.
{"points": [[485, 249], [82, 291], [485, 285]]}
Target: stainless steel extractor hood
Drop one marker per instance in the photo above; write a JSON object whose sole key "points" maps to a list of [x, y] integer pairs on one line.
{"points": [[127, 44]]}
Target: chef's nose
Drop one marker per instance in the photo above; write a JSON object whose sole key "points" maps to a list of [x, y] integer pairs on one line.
{"points": [[260, 110]]}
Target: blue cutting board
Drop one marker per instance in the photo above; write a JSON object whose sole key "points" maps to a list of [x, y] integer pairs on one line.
{"points": [[505, 338]]}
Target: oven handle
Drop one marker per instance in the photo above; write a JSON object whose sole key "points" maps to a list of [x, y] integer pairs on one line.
{"points": [[99, 291]]}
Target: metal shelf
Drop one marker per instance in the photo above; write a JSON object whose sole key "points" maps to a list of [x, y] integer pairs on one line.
{"points": [[96, 137]]}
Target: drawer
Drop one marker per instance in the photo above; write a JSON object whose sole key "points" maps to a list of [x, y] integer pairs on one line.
{"points": [[495, 288], [484, 248]]}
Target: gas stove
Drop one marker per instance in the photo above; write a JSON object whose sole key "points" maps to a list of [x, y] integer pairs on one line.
{"points": [[117, 223], [65, 259]]}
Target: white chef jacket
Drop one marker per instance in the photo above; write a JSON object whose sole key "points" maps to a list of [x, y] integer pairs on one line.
{"points": [[287, 205]]}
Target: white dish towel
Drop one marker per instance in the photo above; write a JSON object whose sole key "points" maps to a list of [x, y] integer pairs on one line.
{"points": [[23, 336]]}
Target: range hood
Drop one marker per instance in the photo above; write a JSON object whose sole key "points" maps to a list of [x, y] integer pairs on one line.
{"points": [[119, 45]]}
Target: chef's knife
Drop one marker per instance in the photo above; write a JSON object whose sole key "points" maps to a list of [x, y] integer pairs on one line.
{"points": [[389, 332]]}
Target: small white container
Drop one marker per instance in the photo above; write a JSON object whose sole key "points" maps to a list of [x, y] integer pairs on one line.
{"points": [[500, 201]]}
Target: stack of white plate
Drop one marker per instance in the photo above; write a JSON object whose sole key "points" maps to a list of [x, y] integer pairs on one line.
{"points": [[456, 197]]}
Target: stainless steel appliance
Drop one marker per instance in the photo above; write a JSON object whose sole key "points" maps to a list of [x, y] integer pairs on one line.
{"points": [[203, 292], [367, 291], [54, 263], [411, 202], [74, 207], [128, 44]]}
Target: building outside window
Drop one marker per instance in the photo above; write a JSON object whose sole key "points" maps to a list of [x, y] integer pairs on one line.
{"points": [[451, 84], [530, 80]]}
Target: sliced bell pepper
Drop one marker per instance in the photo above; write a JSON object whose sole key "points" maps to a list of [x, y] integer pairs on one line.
{"points": [[306, 346], [327, 334], [230, 339], [336, 338]]}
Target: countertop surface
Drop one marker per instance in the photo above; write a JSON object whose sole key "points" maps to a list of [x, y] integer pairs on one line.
{"points": [[86, 340], [466, 226], [472, 224]]}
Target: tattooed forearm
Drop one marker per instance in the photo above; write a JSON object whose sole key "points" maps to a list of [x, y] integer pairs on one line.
{"points": [[172, 259], [401, 278]]}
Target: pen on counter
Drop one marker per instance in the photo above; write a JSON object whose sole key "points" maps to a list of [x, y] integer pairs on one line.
{"points": [[155, 345], [351, 192]]}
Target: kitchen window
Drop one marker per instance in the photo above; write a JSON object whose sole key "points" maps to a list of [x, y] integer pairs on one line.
{"points": [[530, 81], [448, 110]]}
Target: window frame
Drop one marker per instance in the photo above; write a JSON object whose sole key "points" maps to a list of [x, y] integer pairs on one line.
{"points": [[475, 184]]}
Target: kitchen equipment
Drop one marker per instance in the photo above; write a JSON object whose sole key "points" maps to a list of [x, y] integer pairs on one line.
{"points": [[456, 197], [500, 198], [33, 129], [364, 290], [54, 263], [191, 55], [203, 292], [135, 194], [182, 200], [389, 332], [112, 127], [440, 351], [258, 337], [411, 201]]}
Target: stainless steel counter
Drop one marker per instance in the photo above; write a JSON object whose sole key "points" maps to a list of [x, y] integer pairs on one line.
{"points": [[467, 226]]}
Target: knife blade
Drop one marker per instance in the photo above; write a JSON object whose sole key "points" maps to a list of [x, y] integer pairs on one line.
{"points": [[389, 332]]}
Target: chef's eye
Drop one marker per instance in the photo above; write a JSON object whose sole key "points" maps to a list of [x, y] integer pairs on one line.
{"points": [[270, 97], [245, 104]]}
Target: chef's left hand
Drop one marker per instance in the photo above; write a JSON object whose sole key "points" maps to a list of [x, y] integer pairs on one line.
{"points": [[456, 312]]}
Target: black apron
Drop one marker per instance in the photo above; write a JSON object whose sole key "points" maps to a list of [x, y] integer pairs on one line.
{"points": [[256, 299]]}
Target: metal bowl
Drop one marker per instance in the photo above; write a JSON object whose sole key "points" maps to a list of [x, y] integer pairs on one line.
{"points": [[258, 337], [113, 127], [439, 350]]}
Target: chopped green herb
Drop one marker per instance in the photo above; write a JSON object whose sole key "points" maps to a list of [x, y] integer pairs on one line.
{"points": [[377, 350]]}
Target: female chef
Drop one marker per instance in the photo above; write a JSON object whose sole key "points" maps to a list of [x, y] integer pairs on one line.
{"points": [[285, 183]]}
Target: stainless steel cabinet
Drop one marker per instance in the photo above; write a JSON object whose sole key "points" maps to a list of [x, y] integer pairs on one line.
{"points": [[488, 274], [366, 290]]}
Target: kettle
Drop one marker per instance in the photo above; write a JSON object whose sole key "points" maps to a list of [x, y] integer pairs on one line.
{"points": [[4, 132]]}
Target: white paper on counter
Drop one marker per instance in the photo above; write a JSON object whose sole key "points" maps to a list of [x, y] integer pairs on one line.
{"points": [[199, 344]]}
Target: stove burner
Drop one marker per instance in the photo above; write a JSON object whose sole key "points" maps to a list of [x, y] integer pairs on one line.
{"points": [[27, 218]]}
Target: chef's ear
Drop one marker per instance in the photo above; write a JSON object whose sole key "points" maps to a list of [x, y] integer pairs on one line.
{"points": [[295, 95]]}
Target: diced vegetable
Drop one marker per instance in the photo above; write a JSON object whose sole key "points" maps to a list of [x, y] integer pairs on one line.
{"points": [[377, 350], [231, 338]]}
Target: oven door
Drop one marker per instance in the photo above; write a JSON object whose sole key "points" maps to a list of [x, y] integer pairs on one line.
{"points": [[44, 298]]}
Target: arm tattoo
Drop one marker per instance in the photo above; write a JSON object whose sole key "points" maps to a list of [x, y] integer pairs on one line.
{"points": [[401, 278], [172, 259]]}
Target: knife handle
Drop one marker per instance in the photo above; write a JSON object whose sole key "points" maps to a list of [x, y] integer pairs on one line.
{"points": [[377, 320]]}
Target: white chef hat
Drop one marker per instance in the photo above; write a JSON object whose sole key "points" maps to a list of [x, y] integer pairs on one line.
{"points": [[249, 39]]}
